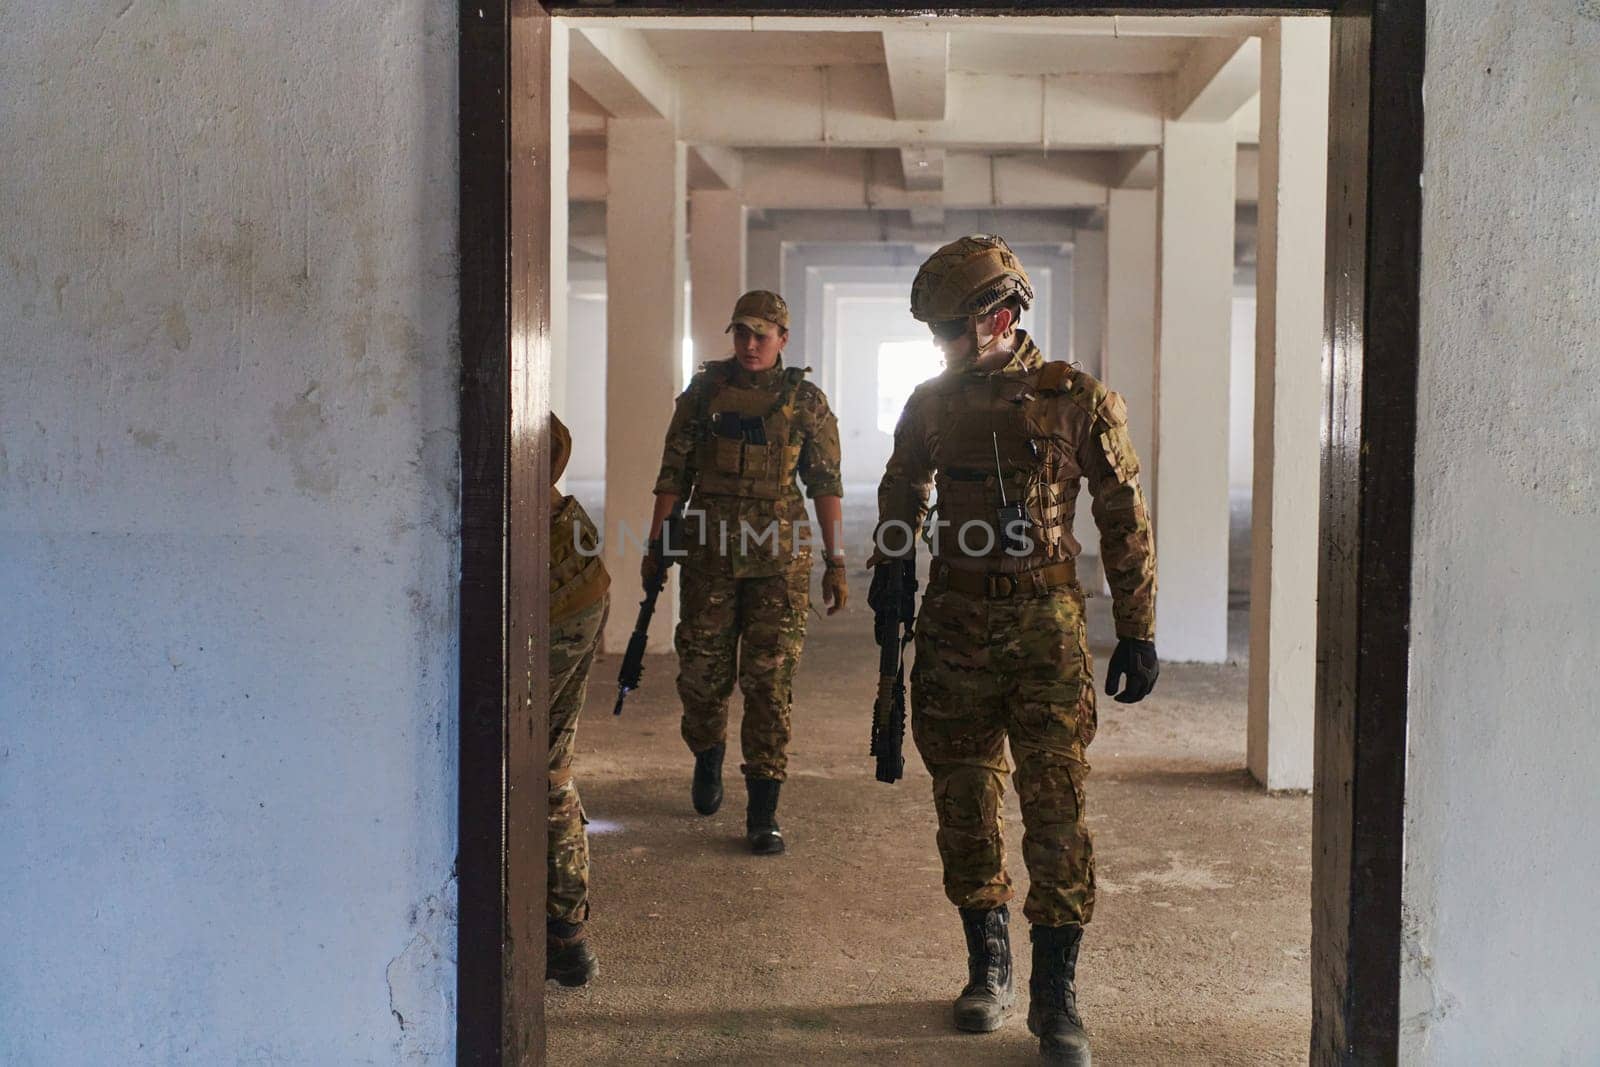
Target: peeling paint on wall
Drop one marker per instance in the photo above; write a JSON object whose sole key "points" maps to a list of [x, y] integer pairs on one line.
{"points": [[422, 980], [298, 431]]}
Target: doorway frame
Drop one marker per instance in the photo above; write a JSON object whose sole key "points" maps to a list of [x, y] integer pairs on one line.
{"points": [[1369, 365]]}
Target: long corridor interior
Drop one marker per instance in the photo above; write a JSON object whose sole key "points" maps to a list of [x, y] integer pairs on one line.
{"points": [[1162, 180]]}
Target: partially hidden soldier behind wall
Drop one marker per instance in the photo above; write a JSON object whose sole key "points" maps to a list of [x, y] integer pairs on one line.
{"points": [[578, 603], [1001, 650], [741, 433]]}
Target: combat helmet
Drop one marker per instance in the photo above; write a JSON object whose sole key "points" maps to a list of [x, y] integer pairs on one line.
{"points": [[970, 276]]}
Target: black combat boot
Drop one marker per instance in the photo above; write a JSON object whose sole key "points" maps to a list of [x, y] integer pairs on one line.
{"points": [[1053, 996], [982, 1005], [761, 817], [568, 957], [707, 790]]}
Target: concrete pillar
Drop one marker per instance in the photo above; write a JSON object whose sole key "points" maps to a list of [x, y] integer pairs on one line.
{"points": [[1088, 298], [1288, 401], [1194, 309], [1130, 321], [764, 260], [716, 268], [645, 217], [1086, 321]]}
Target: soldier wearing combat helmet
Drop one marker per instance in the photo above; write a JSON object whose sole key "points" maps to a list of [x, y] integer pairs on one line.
{"points": [[1001, 652], [578, 604], [741, 433]]}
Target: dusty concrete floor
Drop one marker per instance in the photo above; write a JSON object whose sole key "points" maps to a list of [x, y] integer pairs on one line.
{"points": [[844, 950]]}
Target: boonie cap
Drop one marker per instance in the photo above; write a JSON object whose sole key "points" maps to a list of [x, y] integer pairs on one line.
{"points": [[761, 310]]}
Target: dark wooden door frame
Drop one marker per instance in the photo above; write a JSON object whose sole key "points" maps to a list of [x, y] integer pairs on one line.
{"points": [[1370, 355], [505, 251]]}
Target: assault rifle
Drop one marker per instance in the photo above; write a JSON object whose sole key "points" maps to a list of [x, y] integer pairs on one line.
{"points": [[633, 660], [893, 598]]}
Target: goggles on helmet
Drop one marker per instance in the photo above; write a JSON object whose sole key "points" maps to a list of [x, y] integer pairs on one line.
{"points": [[948, 329]]}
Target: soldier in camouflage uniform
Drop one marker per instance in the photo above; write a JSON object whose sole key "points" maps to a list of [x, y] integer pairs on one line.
{"points": [[1001, 652], [578, 604], [740, 433]]}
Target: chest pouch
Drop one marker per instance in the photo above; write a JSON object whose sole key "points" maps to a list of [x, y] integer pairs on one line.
{"points": [[746, 449]]}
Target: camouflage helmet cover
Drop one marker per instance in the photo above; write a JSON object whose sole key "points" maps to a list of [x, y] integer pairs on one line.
{"points": [[969, 276]]}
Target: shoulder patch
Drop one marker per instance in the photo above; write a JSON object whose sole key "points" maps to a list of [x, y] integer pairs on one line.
{"points": [[1113, 409], [1051, 376], [811, 391], [1086, 391], [715, 370]]}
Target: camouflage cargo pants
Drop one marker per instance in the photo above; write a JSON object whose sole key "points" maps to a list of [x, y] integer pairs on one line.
{"points": [[988, 670], [753, 628], [572, 647]]}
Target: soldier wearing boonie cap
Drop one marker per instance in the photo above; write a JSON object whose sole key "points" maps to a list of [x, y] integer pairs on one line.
{"points": [[761, 311], [741, 434]]}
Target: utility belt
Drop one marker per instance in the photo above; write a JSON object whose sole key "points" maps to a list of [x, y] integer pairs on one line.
{"points": [[995, 585]]}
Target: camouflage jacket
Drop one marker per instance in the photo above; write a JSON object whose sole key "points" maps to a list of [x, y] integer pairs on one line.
{"points": [[577, 577], [744, 502], [1053, 426]]}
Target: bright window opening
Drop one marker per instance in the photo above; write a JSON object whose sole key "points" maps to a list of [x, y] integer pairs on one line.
{"points": [[902, 366], [688, 359]]}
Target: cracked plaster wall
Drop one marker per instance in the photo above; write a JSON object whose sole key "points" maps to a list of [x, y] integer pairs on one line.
{"points": [[228, 511], [1502, 858]]}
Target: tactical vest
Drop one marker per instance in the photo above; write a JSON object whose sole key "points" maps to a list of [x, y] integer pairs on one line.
{"points": [[1002, 439], [577, 579], [733, 466]]}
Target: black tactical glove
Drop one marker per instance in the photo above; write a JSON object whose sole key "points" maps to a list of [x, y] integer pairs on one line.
{"points": [[1137, 661]]}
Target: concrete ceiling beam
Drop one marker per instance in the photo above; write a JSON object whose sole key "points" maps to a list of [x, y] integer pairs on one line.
{"points": [[852, 107], [1136, 169], [922, 169], [586, 173], [1235, 26], [715, 167], [860, 178], [808, 180], [1064, 180], [919, 71], [1076, 26], [585, 116], [1219, 78], [872, 227], [616, 67]]}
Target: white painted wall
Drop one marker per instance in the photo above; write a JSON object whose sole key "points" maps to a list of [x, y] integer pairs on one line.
{"points": [[1502, 858], [862, 324], [811, 265], [228, 521], [582, 404]]}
